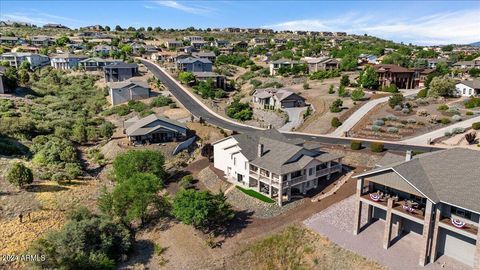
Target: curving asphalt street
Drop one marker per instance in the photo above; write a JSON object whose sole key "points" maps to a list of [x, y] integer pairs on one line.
{"points": [[197, 109]]}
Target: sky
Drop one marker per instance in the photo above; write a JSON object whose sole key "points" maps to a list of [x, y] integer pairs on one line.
{"points": [[417, 22]]}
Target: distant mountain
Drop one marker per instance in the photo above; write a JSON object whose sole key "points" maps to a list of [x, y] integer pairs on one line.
{"points": [[476, 44]]}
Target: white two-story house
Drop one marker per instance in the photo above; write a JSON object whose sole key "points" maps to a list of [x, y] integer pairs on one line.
{"points": [[270, 163]]}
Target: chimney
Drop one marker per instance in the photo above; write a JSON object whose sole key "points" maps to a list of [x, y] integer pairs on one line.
{"points": [[408, 155], [260, 150]]}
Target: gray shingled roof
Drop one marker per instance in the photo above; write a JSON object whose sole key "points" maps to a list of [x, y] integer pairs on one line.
{"points": [[121, 65], [278, 150], [451, 176], [136, 126], [475, 84], [190, 60], [127, 84]]}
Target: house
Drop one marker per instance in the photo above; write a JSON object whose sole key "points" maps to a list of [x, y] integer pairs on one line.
{"points": [[226, 50], [193, 38], [434, 195], [173, 44], [154, 129], [96, 63], [467, 64], [9, 40], [268, 162], [15, 59], [367, 59], [218, 80], [315, 64], [277, 98], [121, 92], [432, 62], [198, 44], [206, 55], [3, 87], [96, 27], [119, 71], [103, 49], [468, 88], [55, 26], [276, 65], [339, 34], [279, 41], [420, 75], [389, 74], [259, 41], [66, 61], [15, 23], [42, 41], [193, 64], [220, 43], [232, 30]]}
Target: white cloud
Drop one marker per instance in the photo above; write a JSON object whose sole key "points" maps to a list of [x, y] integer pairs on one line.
{"points": [[36, 18], [441, 28], [189, 9]]}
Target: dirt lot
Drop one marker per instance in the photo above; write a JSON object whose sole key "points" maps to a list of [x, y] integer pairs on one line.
{"points": [[424, 116]]}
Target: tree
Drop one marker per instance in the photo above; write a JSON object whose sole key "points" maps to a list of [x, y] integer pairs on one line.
{"points": [[357, 94], [441, 87], [118, 28], [138, 161], [19, 175], [149, 29], [240, 110], [395, 99], [79, 132], [368, 78], [86, 241], [25, 65], [23, 76], [336, 106], [342, 91], [348, 62], [345, 81], [62, 41], [186, 77], [11, 78], [201, 208], [107, 28], [335, 122], [331, 89], [131, 198], [127, 49]]}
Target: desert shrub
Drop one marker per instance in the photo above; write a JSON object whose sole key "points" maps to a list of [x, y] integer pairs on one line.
{"points": [[406, 110], [376, 147], [335, 122], [19, 175], [476, 125], [472, 103], [186, 181], [160, 101], [392, 130], [443, 107], [456, 118], [447, 134], [422, 93], [422, 113], [391, 117], [331, 89], [356, 145], [378, 122], [336, 106], [395, 99], [445, 121], [398, 108], [239, 110], [453, 111], [411, 121], [376, 128], [469, 113], [458, 130]]}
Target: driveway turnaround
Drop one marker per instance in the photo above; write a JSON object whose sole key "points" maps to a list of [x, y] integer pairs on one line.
{"points": [[295, 117], [336, 223], [348, 124], [423, 139], [198, 109]]}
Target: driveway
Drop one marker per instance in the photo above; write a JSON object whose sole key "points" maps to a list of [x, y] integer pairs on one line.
{"points": [[336, 223], [295, 118], [362, 111], [423, 139]]}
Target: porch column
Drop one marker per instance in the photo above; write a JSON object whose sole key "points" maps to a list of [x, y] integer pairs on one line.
{"points": [[426, 235], [289, 194], [387, 233], [476, 262], [280, 194], [433, 253], [270, 191], [358, 207], [399, 228], [329, 164]]}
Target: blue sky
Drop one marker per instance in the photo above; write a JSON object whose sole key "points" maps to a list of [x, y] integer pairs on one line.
{"points": [[419, 22]]}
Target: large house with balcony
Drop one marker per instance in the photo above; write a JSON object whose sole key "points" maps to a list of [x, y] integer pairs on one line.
{"points": [[435, 195], [268, 162]]}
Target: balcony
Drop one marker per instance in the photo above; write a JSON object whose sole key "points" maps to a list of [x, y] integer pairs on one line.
{"points": [[297, 180], [469, 228], [327, 171], [414, 213]]}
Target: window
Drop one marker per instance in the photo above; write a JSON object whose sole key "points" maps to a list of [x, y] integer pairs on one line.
{"points": [[310, 171], [234, 161], [461, 213], [239, 177], [296, 174]]}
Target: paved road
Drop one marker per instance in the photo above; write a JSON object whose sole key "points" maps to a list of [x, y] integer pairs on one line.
{"points": [[295, 117], [423, 139], [348, 124], [198, 110]]}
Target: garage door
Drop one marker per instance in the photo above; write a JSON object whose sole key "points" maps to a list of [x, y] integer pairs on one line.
{"points": [[456, 246]]}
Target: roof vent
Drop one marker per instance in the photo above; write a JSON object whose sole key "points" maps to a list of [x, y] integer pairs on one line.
{"points": [[260, 150], [408, 155]]}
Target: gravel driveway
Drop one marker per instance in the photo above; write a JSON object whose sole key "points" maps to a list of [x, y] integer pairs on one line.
{"points": [[336, 223]]}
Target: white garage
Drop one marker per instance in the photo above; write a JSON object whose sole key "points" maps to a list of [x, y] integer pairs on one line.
{"points": [[456, 246]]}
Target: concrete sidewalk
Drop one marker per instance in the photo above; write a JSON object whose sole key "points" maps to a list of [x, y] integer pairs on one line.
{"points": [[362, 111]]}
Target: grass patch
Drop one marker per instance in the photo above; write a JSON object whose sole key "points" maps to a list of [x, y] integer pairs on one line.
{"points": [[256, 195]]}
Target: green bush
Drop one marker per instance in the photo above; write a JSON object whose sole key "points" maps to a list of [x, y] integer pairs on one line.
{"points": [[356, 145], [335, 122], [445, 121], [376, 147], [395, 100], [239, 110], [160, 101], [138, 161], [469, 113], [19, 175], [472, 103], [336, 106], [422, 93], [443, 107], [476, 125]]}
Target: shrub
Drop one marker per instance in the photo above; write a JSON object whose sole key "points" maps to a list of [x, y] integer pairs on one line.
{"points": [[376, 128], [138, 161], [376, 147], [443, 107], [447, 134], [378, 122], [391, 117], [411, 121], [335, 122], [458, 130], [398, 108], [306, 86], [356, 145], [453, 111], [445, 121], [160, 101], [239, 110], [19, 175], [395, 99], [331, 89], [456, 118], [472, 103], [469, 113], [392, 130], [357, 94], [186, 181], [476, 125], [422, 93], [336, 106], [406, 110]]}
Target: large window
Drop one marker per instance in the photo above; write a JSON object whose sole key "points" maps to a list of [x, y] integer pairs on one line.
{"points": [[296, 174], [461, 212]]}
